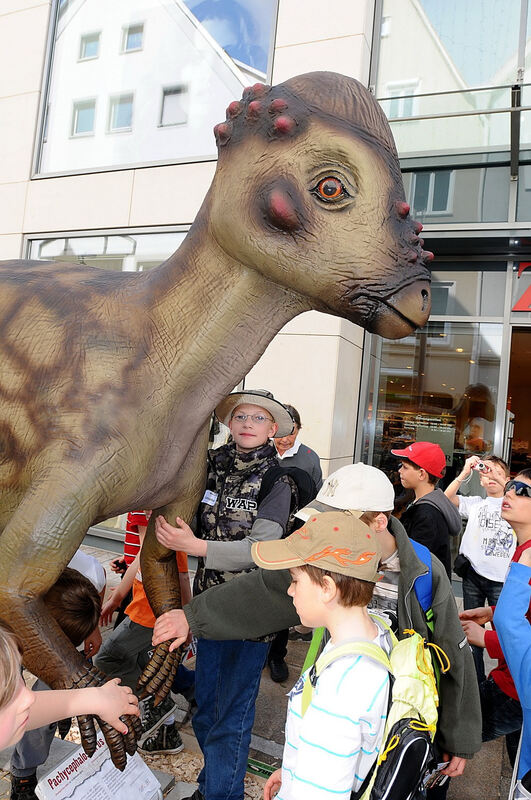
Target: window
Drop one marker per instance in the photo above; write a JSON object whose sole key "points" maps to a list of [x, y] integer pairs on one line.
{"points": [[194, 62], [121, 113], [432, 192], [89, 46], [83, 116], [173, 111], [400, 103], [132, 38]]}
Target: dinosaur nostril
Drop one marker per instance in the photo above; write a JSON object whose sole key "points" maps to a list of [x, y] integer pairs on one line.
{"points": [[425, 299]]}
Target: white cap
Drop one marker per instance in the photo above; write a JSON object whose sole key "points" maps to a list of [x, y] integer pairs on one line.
{"points": [[356, 488]]}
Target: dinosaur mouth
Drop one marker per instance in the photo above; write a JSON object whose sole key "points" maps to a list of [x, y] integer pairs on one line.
{"points": [[398, 314]]}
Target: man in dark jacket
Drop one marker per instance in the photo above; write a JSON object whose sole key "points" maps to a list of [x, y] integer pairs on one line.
{"points": [[431, 518], [217, 613]]}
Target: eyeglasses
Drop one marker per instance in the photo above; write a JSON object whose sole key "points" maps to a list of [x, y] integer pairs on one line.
{"points": [[520, 488], [258, 419]]}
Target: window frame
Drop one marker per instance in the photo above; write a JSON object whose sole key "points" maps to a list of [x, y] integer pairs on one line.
{"points": [[446, 212], [168, 91], [114, 99], [84, 37], [75, 109], [125, 33]]}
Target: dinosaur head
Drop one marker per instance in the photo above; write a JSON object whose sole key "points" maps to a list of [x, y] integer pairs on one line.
{"points": [[308, 192]]}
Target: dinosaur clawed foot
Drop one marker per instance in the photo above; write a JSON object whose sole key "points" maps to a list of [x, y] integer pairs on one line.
{"points": [[120, 745], [158, 676]]}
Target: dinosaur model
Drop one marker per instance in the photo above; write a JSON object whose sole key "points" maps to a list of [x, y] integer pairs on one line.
{"points": [[108, 381]]}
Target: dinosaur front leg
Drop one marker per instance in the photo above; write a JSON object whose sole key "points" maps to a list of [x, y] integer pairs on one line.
{"points": [[37, 543], [159, 567]]}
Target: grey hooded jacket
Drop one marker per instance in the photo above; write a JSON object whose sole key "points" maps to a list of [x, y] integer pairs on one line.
{"points": [[432, 520]]}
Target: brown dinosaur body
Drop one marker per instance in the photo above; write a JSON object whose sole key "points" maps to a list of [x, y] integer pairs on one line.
{"points": [[107, 381]]}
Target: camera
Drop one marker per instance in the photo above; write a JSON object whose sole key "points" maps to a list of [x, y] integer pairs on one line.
{"points": [[481, 467]]}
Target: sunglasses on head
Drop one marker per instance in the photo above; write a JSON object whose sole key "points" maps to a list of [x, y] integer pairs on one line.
{"points": [[520, 488]]}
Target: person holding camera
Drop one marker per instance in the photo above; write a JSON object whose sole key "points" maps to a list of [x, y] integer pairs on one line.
{"points": [[488, 542]]}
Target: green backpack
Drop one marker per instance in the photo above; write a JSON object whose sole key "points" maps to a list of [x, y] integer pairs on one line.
{"points": [[407, 753]]}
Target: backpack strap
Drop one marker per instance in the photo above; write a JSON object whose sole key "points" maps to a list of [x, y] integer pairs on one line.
{"points": [[362, 648], [423, 584]]}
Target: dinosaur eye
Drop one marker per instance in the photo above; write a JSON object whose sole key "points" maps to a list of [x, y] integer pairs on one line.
{"points": [[330, 189]]}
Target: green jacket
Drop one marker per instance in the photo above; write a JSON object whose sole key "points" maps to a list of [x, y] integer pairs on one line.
{"points": [[256, 603]]}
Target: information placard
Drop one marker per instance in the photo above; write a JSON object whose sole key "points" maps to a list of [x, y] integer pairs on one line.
{"points": [[79, 777]]}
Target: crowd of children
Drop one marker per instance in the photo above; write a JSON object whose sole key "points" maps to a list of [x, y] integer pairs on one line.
{"points": [[350, 556]]}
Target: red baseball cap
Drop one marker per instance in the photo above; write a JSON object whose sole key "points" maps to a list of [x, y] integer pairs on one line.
{"points": [[427, 455]]}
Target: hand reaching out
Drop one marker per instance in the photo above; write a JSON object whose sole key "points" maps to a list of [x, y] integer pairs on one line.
{"points": [[475, 634], [179, 537], [171, 625], [481, 615], [115, 701]]}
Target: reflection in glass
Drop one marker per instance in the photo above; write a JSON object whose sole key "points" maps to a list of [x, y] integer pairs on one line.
{"points": [[241, 27], [460, 51], [439, 385], [459, 291], [133, 36], [521, 293], [459, 195], [121, 113], [184, 63], [83, 117], [119, 252], [458, 45], [89, 46]]}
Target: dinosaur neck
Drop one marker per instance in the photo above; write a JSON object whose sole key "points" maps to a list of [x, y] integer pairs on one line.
{"points": [[228, 313]]}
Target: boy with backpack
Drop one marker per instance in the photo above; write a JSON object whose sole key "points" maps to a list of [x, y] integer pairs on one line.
{"points": [[431, 519], [333, 739], [217, 613]]}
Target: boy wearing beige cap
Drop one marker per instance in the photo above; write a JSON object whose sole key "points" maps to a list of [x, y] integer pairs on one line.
{"points": [[333, 562]]}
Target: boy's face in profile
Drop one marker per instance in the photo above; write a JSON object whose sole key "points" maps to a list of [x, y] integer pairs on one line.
{"points": [[409, 475], [307, 598], [517, 510]]}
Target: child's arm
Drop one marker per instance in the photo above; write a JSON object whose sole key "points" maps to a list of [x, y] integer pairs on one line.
{"points": [[126, 584], [109, 702], [120, 593], [453, 487]]}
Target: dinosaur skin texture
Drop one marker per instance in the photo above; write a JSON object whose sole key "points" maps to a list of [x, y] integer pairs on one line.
{"points": [[108, 380]]}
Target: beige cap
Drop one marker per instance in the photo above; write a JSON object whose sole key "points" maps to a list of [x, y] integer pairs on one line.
{"points": [[356, 488], [257, 397], [336, 541]]}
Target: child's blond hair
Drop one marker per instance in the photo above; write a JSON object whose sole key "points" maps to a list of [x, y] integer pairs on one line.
{"points": [[10, 661]]}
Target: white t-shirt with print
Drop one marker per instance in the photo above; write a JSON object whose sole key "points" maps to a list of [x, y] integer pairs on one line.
{"points": [[329, 751], [488, 541]]}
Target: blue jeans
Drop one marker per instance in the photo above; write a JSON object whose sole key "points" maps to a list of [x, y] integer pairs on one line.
{"points": [[227, 679], [502, 716], [477, 589]]}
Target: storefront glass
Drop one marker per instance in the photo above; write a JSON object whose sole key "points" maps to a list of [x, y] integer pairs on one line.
{"points": [[440, 385], [446, 93], [452, 196], [144, 81]]}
